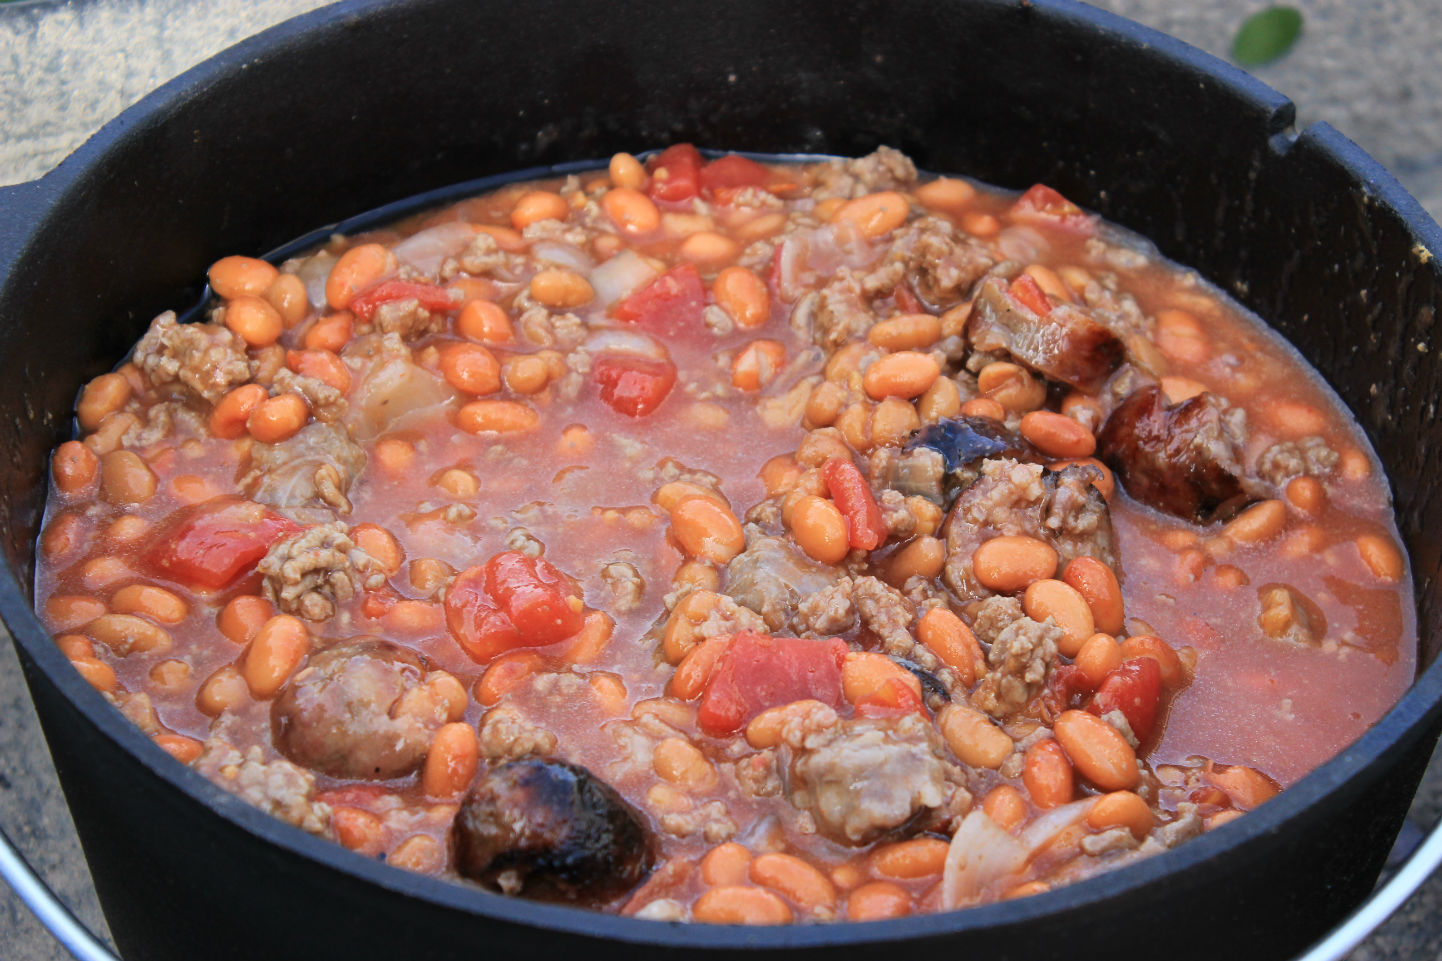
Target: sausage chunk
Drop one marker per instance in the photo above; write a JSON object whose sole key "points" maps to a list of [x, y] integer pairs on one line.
{"points": [[1183, 460], [865, 777], [359, 710], [1067, 345], [770, 578], [550, 831]]}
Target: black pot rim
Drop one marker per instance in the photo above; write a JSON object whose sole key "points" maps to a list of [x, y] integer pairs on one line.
{"points": [[1417, 710]]}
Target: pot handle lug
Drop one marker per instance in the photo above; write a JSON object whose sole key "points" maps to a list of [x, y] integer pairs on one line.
{"points": [[48, 908]]}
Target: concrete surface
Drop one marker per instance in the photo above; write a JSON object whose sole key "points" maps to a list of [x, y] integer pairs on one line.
{"points": [[1366, 66]]}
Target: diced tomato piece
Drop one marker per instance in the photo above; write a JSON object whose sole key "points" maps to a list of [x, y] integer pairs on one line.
{"points": [[675, 174], [212, 545], [511, 601], [857, 504], [757, 671], [1065, 681], [1135, 689], [733, 170], [1026, 290], [669, 305], [1042, 202], [895, 699], [429, 296], [535, 596], [906, 301], [634, 385]]}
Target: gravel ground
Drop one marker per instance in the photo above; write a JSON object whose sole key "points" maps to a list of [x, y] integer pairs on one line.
{"points": [[1368, 68]]}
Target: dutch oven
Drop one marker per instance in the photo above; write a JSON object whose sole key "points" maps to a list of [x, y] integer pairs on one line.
{"points": [[363, 104]]}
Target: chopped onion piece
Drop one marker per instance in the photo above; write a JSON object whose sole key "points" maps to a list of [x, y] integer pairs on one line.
{"points": [[623, 274], [313, 272], [613, 340], [980, 854], [563, 255], [427, 249], [1041, 832]]}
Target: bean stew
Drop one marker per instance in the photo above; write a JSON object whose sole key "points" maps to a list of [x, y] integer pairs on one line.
{"points": [[738, 542]]}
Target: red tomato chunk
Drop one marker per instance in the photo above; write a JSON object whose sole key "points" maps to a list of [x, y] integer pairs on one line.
{"points": [[211, 545], [669, 305], [511, 601], [634, 385], [428, 296], [856, 502], [676, 174], [1135, 689], [734, 170], [757, 671]]}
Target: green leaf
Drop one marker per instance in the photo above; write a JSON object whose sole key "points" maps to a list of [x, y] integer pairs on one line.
{"points": [[1266, 35]]}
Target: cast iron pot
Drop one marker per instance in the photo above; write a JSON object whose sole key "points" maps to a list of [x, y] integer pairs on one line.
{"points": [[362, 104]]}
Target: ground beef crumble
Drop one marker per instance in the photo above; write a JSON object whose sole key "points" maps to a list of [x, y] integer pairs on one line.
{"points": [[506, 735], [279, 788], [1288, 459], [307, 573], [196, 361], [1021, 655]]}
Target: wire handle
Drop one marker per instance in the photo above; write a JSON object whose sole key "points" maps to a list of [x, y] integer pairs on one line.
{"points": [[57, 918]]}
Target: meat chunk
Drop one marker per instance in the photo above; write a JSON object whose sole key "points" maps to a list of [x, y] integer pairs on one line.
{"points": [[1062, 508], [887, 614], [711, 820], [626, 585], [484, 257], [770, 578], [308, 573], [408, 319], [828, 612], [193, 361], [944, 458], [942, 263], [360, 709], [325, 402], [995, 615], [278, 787], [1289, 615], [507, 735], [840, 312], [1183, 459], [315, 467], [865, 777], [165, 421], [1021, 655], [885, 168], [1067, 345], [1293, 458], [550, 831], [882, 610]]}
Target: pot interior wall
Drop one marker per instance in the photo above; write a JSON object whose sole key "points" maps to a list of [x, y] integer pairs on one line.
{"points": [[372, 104]]}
